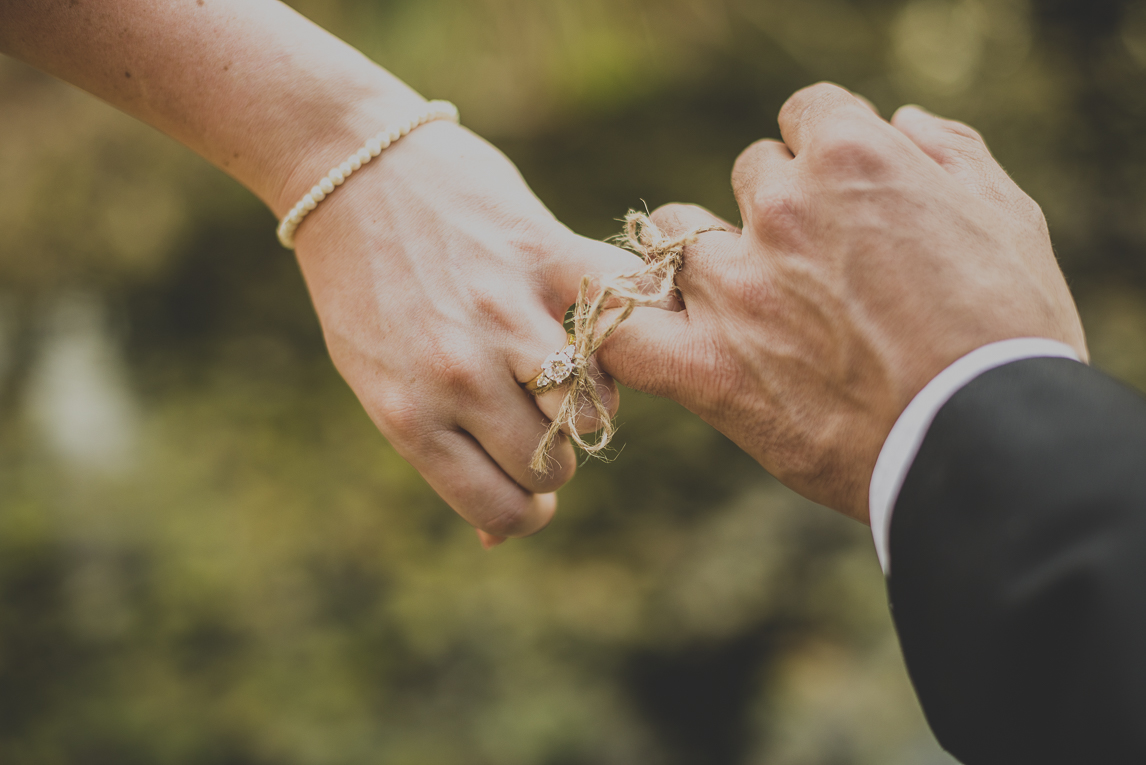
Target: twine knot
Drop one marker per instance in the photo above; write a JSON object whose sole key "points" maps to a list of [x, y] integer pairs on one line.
{"points": [[649, 285]]}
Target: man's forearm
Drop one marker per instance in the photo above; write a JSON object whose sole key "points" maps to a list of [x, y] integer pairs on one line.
{"points": [[1017, 569], [252, 86]]}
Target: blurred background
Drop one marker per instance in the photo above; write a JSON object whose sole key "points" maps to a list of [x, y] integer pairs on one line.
{"points": [[208, 555]]}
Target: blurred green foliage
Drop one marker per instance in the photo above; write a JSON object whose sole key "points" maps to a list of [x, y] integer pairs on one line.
{"points": [[208, 554]]}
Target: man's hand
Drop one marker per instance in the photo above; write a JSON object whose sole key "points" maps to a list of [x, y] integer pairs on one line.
{"points": [[873, 255], [442, 283]]}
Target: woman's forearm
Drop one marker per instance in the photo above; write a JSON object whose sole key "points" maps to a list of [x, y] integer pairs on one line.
{"points": [[252, 86], [439, 279]]}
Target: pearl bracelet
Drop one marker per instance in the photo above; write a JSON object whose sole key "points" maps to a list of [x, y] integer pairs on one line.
{"points": [[434, 110]]}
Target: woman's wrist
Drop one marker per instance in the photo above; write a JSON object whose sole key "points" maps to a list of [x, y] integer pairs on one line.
{"points": [[334, 126], [250, 85]]}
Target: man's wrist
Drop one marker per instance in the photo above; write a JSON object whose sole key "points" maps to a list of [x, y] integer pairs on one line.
{"points": [[906, 436]]}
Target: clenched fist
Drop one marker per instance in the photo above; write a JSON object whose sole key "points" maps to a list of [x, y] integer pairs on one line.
{"points": [[873, 255]]}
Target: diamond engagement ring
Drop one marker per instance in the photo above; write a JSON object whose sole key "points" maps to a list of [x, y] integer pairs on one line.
{"points": [[557, 369]]}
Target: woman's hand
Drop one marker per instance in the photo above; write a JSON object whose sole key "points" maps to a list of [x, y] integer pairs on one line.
{"points": [[440, 280], [441, 283]]}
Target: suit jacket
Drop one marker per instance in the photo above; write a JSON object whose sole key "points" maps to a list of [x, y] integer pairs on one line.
{"points": [[1018, 569]]}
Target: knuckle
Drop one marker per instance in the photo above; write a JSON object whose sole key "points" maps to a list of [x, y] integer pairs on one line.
{"points": [[852, 148], [403, 417], [670, 215], [455, 366], [750, 158], [806, 98], [962, 130], [955, 147], [460, 375], [750, 169], [776, 215]]}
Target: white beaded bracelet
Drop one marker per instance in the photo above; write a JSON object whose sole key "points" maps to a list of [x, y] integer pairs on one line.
{"points": [[434, 110]]}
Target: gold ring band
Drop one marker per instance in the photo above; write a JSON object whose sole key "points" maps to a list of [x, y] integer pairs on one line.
{"points": [[558, 369]]}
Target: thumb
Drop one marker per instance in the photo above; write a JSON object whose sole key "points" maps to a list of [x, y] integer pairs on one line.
{"points": [[649, 352]]}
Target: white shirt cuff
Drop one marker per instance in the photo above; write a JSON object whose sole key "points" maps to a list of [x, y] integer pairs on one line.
{"points": [[907, 435]]}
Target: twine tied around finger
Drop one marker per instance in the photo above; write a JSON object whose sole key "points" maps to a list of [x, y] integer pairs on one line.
{"points": [[649, 285]]}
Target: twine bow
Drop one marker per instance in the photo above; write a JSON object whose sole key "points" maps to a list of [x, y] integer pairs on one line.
{"points": [[649, 285]]}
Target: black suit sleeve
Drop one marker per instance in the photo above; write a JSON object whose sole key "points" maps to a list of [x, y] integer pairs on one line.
{"points": [[1018, 569]]}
